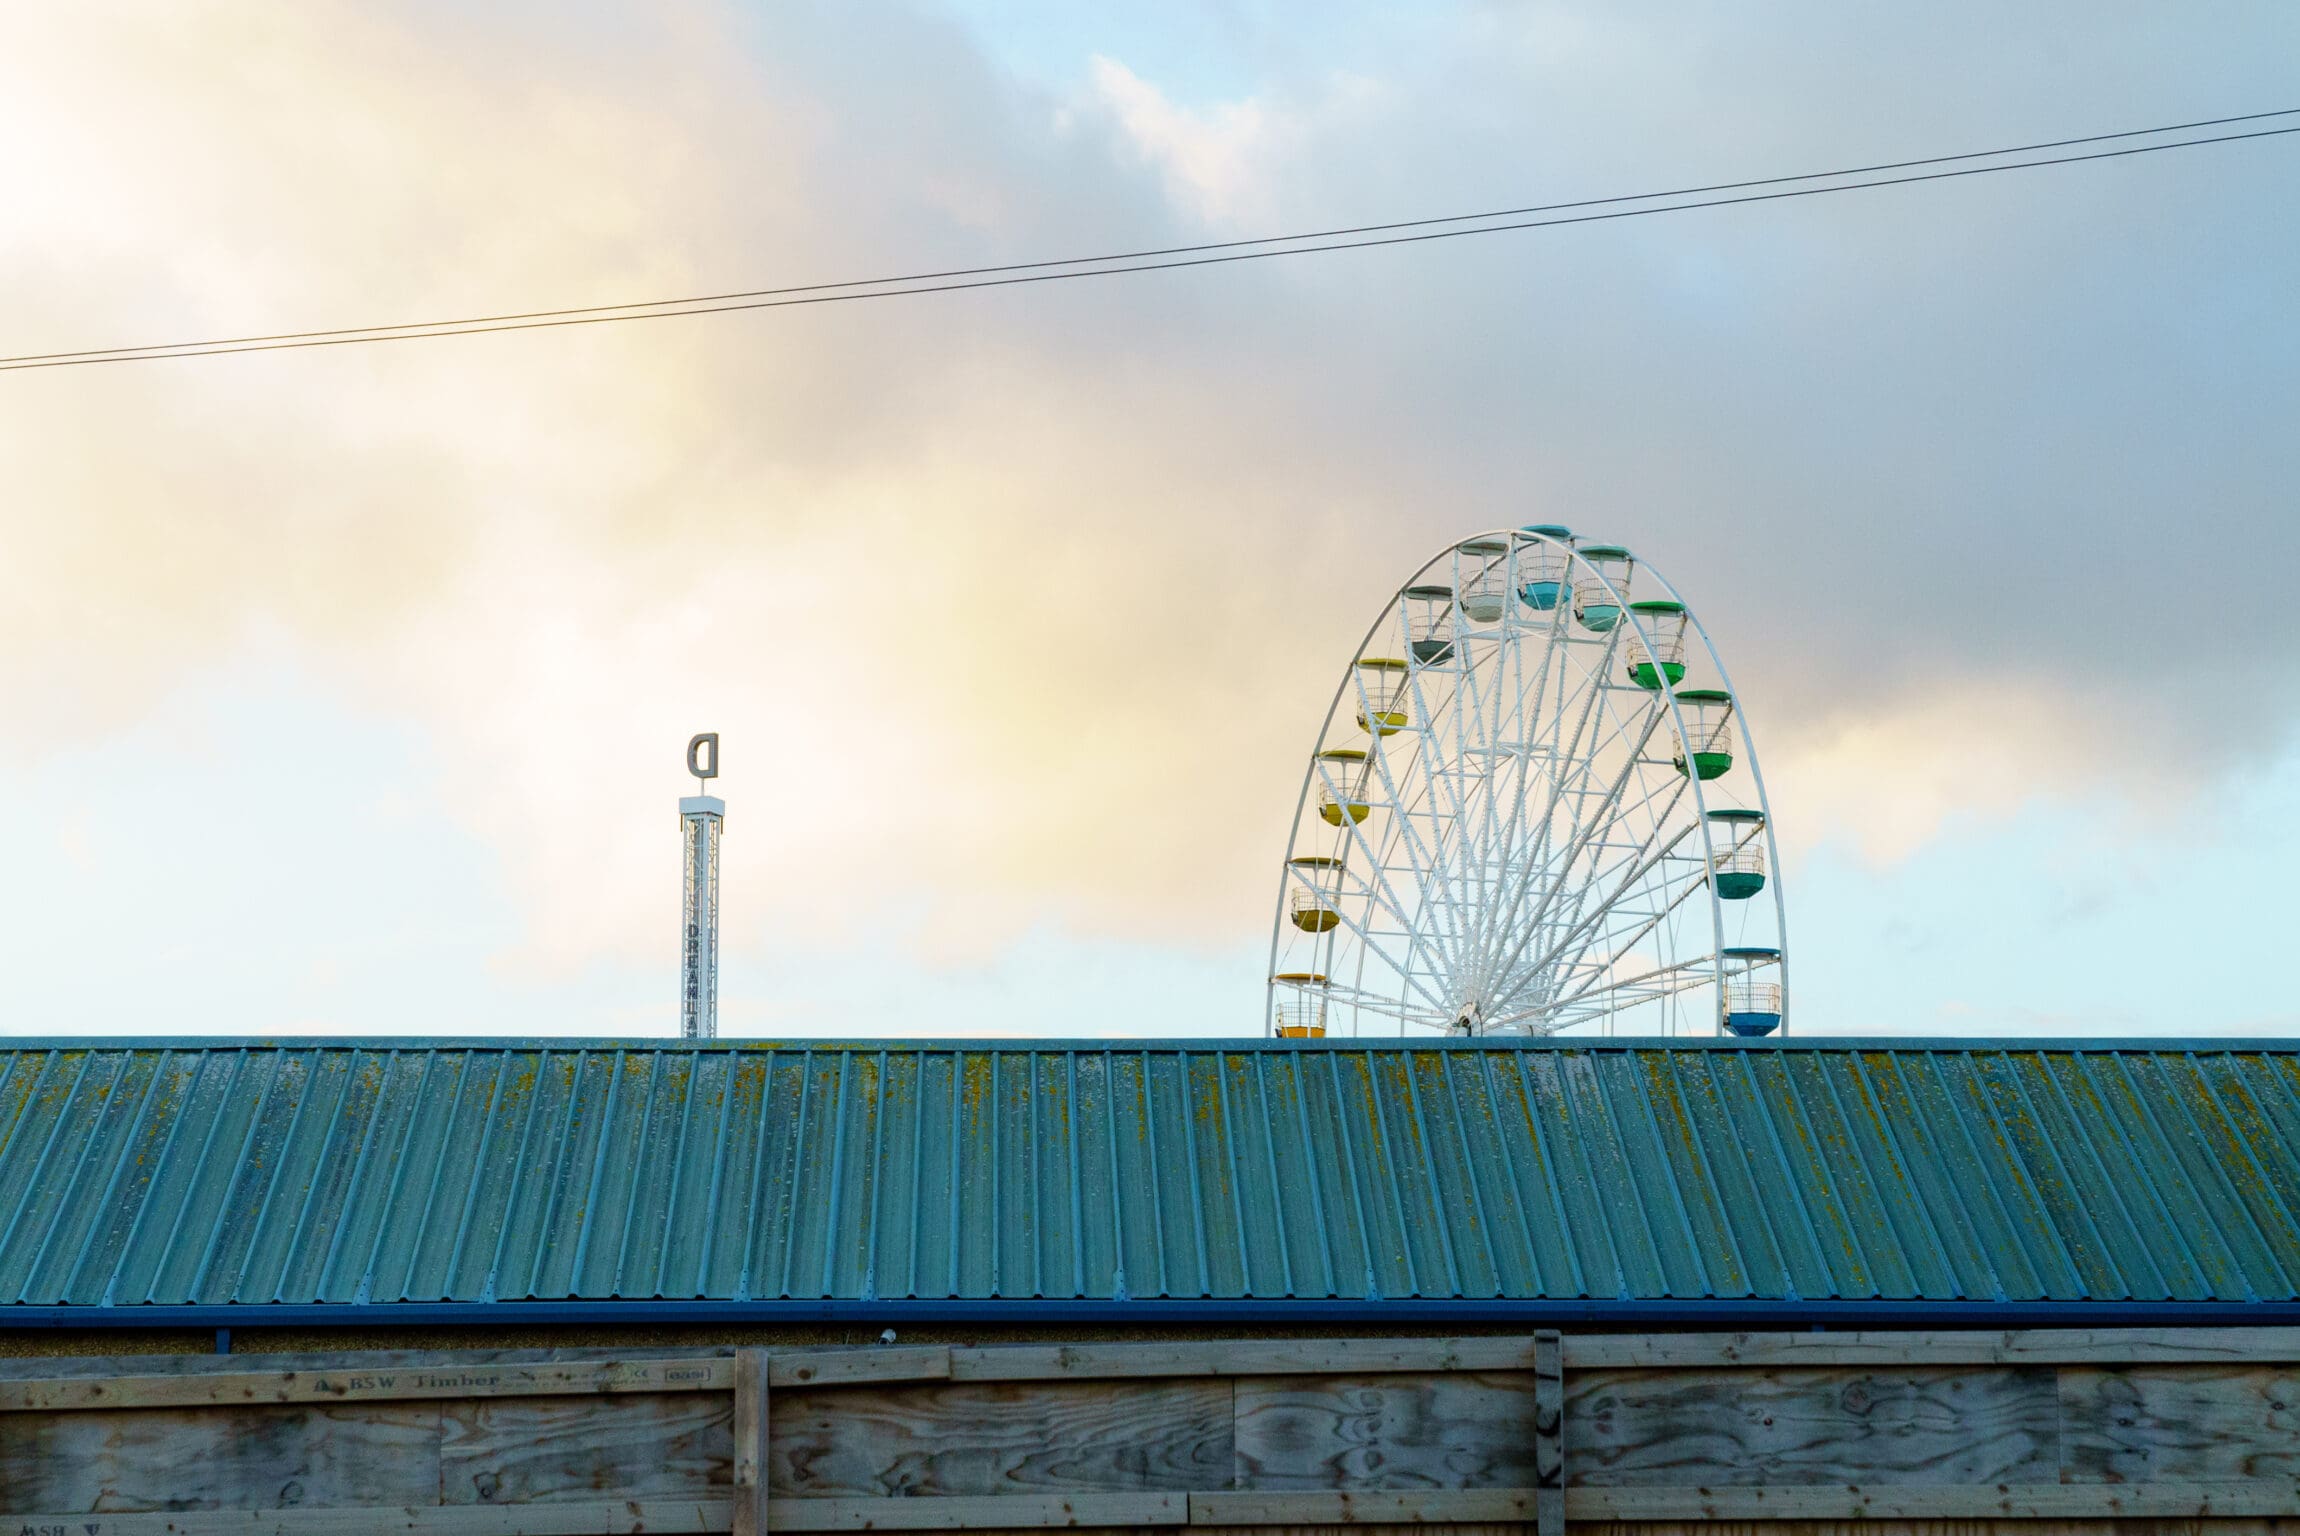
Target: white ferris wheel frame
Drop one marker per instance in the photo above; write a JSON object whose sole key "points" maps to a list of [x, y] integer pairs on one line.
{"points": [[1576, 574]]}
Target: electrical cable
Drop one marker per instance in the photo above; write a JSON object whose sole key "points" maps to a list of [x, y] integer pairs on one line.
{"points": [[1032, 273], [1173, 250]]}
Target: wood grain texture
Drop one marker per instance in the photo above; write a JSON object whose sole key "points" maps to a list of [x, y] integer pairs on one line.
{"points": [[2004, 1501], [923, 1362], [2039, 1346], [992, 1438], [437, 1377], [1367, 1528], [517, 1450], [221, 1458], [1240, 1357], [607, 1519], [1022, 1511], [1549, 1432], [2258, 1525], [2179, 1423], [1470, 1430], [1790, 1427], [1363, 1506], [749, 1475], [16, 1367]]}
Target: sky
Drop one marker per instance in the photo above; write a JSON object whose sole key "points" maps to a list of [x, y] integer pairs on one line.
{"points": [[346, 690]]}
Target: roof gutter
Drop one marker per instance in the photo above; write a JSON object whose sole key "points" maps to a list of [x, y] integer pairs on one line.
{"points": [[1686, 1315]]}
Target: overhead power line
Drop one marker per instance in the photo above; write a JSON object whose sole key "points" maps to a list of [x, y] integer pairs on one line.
{"points": [[1166, 258]]}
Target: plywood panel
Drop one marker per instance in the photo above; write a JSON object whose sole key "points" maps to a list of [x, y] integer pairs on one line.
{"points": [[2179, 1423], [1360, 1527], [1363, 1506], [751, 1419], [1387, 1431], [221, 1458], [1035, 1511], [2122, 1526], [519, 1450], [1999, 1501], [971, 1438], [1923, 1425], [628, 1517], [436, 1378], [2038, 1346], [1240, 1357]]}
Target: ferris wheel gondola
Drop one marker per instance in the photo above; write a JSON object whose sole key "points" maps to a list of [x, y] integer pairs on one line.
{"points": [[1518, 817]]}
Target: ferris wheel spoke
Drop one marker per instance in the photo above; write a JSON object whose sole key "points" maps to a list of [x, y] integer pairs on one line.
{"points": [[1572, 851], [1502, 832], [1438, 808], [1384, 1004], [1377, 945], [1564, 950], [1668, 792], [1565, 897], [1541, 869], [1377, 885], [1399, 833], [1398, 824], [1682, 975], [1638, 934], [1538, 861]]}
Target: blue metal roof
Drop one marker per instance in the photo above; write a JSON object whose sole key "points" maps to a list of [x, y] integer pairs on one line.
{"points": [[149, 1176]]}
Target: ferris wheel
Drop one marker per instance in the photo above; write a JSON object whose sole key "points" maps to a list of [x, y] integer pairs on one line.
{"points": [[1530, 809]]}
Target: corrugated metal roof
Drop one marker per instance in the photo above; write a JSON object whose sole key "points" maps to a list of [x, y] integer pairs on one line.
{"points": [[183, 1172]]}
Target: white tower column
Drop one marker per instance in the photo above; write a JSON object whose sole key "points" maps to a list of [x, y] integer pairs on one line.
{"points": [[702, 818]]}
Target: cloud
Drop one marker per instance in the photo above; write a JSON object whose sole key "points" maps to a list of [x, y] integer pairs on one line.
{"points": [[1223, 164], [1021, 607]]}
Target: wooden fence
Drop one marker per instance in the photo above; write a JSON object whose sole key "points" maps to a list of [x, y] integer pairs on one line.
{"points": [[1640, 1434]]}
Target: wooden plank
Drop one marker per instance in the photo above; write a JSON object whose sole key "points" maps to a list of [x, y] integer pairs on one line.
{"points": [[1387, 1431], [1549, 1432], [2179, 1424], [1002, 1438], [592, 1519], [445, 1375], [2040, 1346], [921, 1362], [750, 1471], [1363, 1506], [1921, 1425], [1498, 1506], [519, 1450], [608, 1518], [439, 1378], [34, 1383], [1017, 1510], [230, 1458], [1240, 1357], [2076, 1526], [1511, 1527], [2004, 1501], [309, 1362]]}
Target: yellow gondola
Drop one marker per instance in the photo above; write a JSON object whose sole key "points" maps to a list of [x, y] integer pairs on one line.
{"points": [[1342, 786], [1381, 695], [1317, 893], [1301, 1005]]}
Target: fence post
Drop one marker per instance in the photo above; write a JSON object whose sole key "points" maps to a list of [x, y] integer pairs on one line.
{"points": [[1549, 1433], [750, 1442]]}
